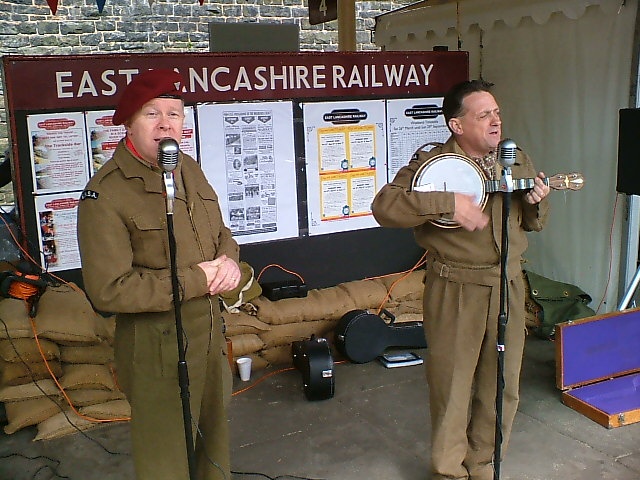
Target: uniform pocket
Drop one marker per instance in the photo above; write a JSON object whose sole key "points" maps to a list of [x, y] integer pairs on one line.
{"points": [[149, 241]]}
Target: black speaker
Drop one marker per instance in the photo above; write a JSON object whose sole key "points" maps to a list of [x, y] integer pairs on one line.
{"points": [[629, 151]]}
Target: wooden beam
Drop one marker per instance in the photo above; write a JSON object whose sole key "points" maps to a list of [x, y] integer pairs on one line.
{"points": [[346, 25]]}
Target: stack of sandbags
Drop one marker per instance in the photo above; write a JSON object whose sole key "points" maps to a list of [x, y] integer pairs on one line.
{"points": [[266, 334], [59, 377]]}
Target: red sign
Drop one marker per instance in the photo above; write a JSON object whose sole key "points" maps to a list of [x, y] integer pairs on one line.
{"points": [[95, 81]]}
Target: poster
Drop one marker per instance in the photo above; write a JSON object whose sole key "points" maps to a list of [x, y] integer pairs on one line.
{"points": [[58, 149], [345, 144], [411, 123], [57, 239], [248, 155], [104, 136]]}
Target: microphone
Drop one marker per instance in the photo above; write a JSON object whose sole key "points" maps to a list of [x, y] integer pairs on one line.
{"points": [[506, 157], [168, 150], [507, 152]]}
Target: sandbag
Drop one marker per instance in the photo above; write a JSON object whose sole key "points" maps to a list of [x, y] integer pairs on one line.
{"points": [[99, 354], [26, 350], [85, 397], [25, 413], [404, 286], [19, 373], [28, 390], [66, 317], [292, 332], [239, 323], [87, 376], [365, 294], [16, 320], [245, 344], [280, 355]]}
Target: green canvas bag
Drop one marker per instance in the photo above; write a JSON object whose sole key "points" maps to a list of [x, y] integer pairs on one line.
{"points": [[558, 302]]}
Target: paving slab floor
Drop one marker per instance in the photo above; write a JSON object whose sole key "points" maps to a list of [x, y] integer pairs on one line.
{"points": [[374, 428]]}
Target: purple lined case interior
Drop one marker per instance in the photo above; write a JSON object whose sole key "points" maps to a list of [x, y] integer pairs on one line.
{"points": [[600, 349]]}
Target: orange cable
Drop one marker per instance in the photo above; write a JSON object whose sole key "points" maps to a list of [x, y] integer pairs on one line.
{"points": [[404, 274], [280, 267], [26, 292], [264, 377], [61, 388], [29, 257]]}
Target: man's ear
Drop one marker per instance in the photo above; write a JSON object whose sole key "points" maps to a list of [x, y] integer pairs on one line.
{"points": [[455, 126]]}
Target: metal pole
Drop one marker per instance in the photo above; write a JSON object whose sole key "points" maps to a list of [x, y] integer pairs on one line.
{"points": [[183, 371], [503, 317]]}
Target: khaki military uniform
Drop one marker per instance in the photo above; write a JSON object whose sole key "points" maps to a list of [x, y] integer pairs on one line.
{"points": [[122, 233], [461, 307]]}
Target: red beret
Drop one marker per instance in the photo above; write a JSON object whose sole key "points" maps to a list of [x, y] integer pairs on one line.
{"points": [[144, 87]]}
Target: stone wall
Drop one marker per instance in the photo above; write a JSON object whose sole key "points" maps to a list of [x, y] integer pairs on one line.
{"points": [[28, 27]]}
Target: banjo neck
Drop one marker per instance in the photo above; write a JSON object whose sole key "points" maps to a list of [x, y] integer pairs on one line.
{"points": [[560, 181]]}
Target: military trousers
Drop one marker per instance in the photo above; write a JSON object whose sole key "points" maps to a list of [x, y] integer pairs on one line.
{"points": [[147, 368], [461, 312]]}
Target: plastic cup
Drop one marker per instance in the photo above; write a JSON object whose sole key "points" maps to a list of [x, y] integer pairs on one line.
{"points": [[244, 368]]}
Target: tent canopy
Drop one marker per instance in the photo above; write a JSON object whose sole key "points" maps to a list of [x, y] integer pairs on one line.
{"points": [[441, 15], [560, 86]]}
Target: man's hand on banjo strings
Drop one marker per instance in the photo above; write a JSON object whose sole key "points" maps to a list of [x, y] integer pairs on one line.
{"points": [[467, 214]]}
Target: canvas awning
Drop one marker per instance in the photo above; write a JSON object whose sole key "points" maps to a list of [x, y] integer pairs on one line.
{"points": [[442, 15]]}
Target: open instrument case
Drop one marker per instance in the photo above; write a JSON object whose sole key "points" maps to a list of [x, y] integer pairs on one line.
{"points": [[598, 367]]}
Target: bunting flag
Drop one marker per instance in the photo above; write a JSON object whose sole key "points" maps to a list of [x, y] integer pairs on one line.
{"points": [[53, 5]]}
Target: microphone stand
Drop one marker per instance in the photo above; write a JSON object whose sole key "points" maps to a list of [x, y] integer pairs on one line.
{"points": [[506, 187], [183, 372]]}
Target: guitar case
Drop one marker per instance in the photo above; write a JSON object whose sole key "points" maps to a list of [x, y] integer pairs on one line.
{"points": [[362, 336], [313, 358]]}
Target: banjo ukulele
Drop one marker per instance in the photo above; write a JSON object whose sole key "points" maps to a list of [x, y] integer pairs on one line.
{"points": [[450, 172]]}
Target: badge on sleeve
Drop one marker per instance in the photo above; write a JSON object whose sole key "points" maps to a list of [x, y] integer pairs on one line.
{"points": [[89, 194]]}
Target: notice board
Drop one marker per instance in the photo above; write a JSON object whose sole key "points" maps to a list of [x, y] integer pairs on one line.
{"points": [[296, 144]]}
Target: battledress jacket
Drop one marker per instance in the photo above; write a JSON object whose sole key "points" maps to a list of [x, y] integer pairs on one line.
{"points": [[396, 205], [122, 232]]}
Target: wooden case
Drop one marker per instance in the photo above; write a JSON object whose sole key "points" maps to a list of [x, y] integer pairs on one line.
{"points": [[598, 365]]}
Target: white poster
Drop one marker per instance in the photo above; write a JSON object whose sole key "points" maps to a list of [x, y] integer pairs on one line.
{"points": [[411, 123], [346, 162], [104, 136], [188, 141], [247, 152], [58, 152], [57, 217]]}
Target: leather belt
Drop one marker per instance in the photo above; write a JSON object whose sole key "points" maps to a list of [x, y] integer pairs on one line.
{"points": [[480, 275]]}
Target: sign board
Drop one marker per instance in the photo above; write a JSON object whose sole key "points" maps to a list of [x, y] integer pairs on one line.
{"points": [[64, 134], [321, 11]]}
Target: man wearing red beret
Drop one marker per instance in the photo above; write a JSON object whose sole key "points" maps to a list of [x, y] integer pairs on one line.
{"points": [[123, 240]]}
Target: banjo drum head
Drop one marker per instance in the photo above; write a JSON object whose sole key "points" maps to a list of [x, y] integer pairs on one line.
{"points": [[450, 172]]}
